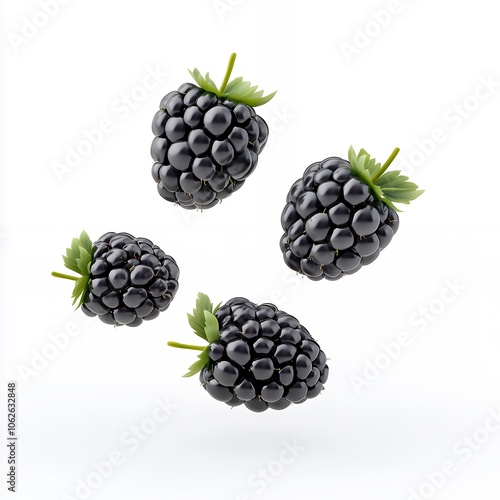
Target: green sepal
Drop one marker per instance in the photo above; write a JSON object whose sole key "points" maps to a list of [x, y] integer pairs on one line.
{"points": [[81, 249], [204, 82], [83, 262], [389, 187], [78, 259], [80, 291], [205, 325], [198, 365], [197, 319], [211, 327], [198, 328], [237, 90]]}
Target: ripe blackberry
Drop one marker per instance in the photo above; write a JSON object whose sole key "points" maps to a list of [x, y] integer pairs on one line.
{"points": [[257, 355], [341, 214], [207, 140], [123, 280]]}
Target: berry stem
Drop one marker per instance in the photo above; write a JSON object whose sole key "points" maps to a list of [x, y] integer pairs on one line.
{"points": [[65, 276], [186, 346], [385, 166], [229, 70]]}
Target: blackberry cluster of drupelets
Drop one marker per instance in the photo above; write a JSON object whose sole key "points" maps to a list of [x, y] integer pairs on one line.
{"points": [[333, 224], [205, 147], [340, 214], [122, 280], [258, 356], [131, 280], [207, 140]]}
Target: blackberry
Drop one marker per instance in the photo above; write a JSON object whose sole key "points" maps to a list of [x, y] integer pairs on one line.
{"points": [[340, 214], [207, 140], [123, 280], [257, 356]]}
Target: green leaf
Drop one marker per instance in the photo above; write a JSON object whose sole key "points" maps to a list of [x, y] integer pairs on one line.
{"points": [[198, 328], [197, 320], [75, 246], [233, 83], [389, 178], [244, 88], [198, 365], [254, 102], [217, 307], [358, 167], [396, 191], [78, 259], [70, 262], [211, 327], [84, 261], [371, 165], [205, 325], [203, 302], [351, 155], [198, 78], [86, 242], [80, 290], [210, 84], [205, 83], [390, 187], [237, 90]]}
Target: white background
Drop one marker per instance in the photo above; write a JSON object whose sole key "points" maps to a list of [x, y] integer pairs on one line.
{"points": [[417, 73]]}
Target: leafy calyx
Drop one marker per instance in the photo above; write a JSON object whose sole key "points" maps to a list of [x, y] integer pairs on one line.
{"points": [[78, 259], [205, 325], [236, 90], [390, 187]]}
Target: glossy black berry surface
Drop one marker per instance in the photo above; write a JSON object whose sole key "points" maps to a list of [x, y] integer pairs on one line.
{"points": [[131, 280], [333, 224], [207, 139], [340, 214], [121, 279], [205, 147], [258, 356], [263, 359]]}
